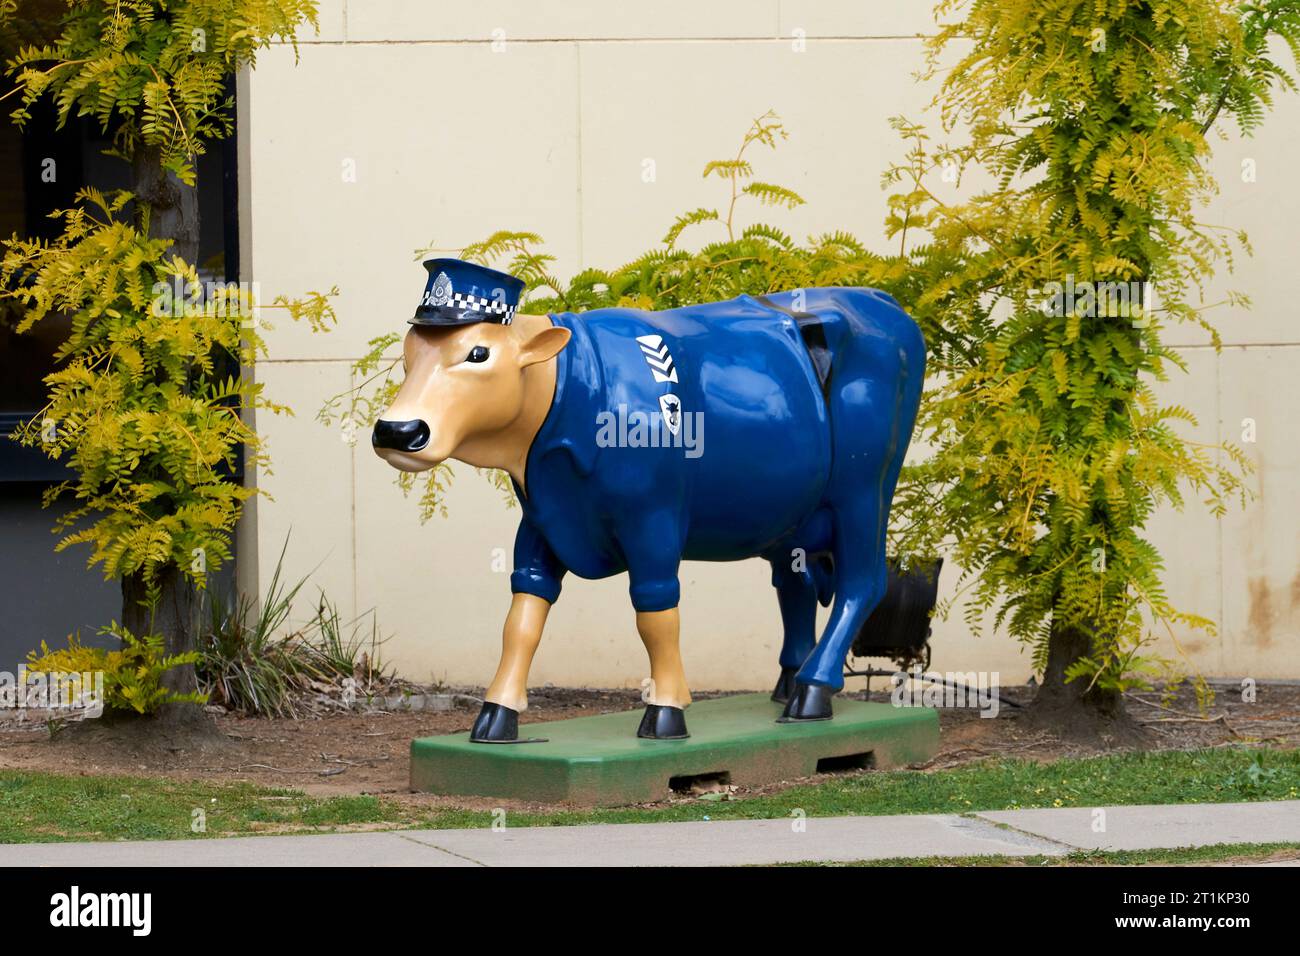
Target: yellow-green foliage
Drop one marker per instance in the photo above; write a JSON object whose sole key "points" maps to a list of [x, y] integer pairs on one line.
{"points": [[147, 404], [151, 72], [132, 675], [1089, 118], [76, 658]]}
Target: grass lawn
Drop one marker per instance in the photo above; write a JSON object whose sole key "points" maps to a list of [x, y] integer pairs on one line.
{"points": [[39, 807]]}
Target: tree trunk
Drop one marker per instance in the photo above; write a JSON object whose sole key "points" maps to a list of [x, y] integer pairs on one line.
{"points": [[174, 206], [1074, 710], [174, 215], [174, 618]]}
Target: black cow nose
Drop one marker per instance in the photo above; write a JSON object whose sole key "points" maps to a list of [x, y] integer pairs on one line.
{"points": [[400, 436]]}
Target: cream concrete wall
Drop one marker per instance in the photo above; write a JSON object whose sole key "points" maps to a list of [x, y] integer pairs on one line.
{"points": [[451, 139]]}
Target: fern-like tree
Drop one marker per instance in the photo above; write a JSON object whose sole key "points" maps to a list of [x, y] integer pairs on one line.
{"points": [[147, 404], [1046, 299]]}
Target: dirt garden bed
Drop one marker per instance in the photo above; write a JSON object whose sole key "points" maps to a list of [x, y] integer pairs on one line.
{"points": [[367, 753]]}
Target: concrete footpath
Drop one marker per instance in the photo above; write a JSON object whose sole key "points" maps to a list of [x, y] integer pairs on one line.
{"points": [[717, 843]]}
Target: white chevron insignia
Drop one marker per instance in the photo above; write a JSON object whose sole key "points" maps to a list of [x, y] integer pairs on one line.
{"points": [[664, 365], [657, 357]]}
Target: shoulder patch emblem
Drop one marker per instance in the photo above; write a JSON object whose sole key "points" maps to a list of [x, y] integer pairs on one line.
{"points": [[671, 408], [657, 357]]}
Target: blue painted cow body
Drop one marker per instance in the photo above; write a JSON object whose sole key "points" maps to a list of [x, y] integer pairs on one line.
{"points": [[788, 464]]}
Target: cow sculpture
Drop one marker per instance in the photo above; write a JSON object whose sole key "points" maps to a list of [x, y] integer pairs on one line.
{"points": [[770, 427]]}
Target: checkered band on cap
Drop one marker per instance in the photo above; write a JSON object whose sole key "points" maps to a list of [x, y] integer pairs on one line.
{"points": [[494, 310], [491, 307]]}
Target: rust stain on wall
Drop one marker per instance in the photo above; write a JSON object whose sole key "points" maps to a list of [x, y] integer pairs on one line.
{"points": [[1260, 620]]}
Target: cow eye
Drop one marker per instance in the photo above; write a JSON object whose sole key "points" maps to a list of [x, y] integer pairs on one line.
{"points": [[478, 353]]}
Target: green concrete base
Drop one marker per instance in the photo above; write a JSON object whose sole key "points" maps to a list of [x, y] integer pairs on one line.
{"points": [[600, 761]]}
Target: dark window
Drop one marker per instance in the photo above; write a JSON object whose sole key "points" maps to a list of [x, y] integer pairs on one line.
{"points": [[48, 596], [41, 169]]}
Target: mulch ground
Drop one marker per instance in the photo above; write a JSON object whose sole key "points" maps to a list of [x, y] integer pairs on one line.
{"points": [[368, 753]]}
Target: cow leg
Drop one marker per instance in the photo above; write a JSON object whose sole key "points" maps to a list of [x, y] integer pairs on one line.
{"points": [[872, 414], [653, 553], [859, 553], [507, 695], [796, 593], [668, 696]]}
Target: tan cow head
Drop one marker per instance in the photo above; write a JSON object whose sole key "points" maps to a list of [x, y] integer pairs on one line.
{"points": [[475, 392]]}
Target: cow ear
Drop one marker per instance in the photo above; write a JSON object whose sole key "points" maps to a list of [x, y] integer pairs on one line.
{"points": [[543, 346]]}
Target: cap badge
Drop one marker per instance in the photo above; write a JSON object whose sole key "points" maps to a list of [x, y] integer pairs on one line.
{"points": [[441, 292]]}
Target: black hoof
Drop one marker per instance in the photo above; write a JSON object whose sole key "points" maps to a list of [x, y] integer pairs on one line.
{"points": [[784, 685], [663, 723], [495, 724], [808, 702]]}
